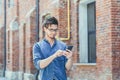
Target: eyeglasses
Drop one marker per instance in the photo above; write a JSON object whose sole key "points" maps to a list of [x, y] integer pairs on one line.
{"points": [[52, 30]]}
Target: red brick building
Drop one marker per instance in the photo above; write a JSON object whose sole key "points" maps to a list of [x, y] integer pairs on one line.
{"points": [[91, 26]]}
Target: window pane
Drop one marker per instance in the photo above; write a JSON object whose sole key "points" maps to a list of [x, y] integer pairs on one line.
{"points": [[91, 16], [91, 48], [91, 33], [10, 3]]}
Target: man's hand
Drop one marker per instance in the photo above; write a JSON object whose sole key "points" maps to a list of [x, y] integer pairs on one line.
{"points": [[45, 62], [58, 53], [68, 54]]}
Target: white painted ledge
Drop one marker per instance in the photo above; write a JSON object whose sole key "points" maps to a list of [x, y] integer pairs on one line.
{"points": [[84, 64]]}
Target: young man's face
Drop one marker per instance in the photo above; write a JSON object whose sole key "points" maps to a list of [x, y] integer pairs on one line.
{"points": [[51, 31]]}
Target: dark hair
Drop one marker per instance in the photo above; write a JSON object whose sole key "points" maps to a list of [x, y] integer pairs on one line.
{"points": [[50, 21]]}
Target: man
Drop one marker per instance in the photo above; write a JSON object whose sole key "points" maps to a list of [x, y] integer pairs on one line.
{"points": [[50, 56]]}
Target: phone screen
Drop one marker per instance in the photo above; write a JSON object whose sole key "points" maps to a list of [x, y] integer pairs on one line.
{"points": [[69, 48]]}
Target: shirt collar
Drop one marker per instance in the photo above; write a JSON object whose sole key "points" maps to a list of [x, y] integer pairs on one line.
{"points": [[55, 41]]}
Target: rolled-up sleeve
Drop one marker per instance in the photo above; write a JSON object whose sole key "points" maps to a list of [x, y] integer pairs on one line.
{"points": [[37, 56]]}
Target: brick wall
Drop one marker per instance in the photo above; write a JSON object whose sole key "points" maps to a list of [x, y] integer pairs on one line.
{"points": [[1, 34], [17, 63], [15, 51], [115, 15], [51, 7], [1, 38], [1, 46], [25, 7], [29, 40], [74, 29], [27, 25], [82, 72], [20, 41], [104, 47], [22, 47]]}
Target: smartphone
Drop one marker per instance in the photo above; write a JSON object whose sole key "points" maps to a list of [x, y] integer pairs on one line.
{"points": [[69, 47]]}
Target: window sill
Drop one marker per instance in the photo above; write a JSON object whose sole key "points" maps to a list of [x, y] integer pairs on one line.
{"points": [[84, 64]]}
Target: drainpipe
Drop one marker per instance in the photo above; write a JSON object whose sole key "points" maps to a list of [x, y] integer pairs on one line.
{"points": [[4, 61], [37, 31], [37, 20]]}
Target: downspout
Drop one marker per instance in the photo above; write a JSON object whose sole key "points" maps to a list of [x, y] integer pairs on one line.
{"points": [[37, 20], [4, 61], [37, 31]]}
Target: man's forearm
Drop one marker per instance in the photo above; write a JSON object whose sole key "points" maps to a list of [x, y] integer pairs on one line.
{"points": [[45, 62], [69, 64]]}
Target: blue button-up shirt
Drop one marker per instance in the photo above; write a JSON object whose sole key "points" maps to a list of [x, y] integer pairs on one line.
{"points": [[56, 69]]}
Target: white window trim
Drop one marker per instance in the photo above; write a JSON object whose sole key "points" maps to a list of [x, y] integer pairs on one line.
{"points": [[83, 36], [84, 64], [11, 3], [14, 24]]}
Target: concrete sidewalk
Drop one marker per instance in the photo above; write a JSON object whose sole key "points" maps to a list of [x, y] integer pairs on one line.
{"points": [[2, 78]]}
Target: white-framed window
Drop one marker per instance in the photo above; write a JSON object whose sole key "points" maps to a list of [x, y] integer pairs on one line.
{"points": [[10, 3], [87, 31]]}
